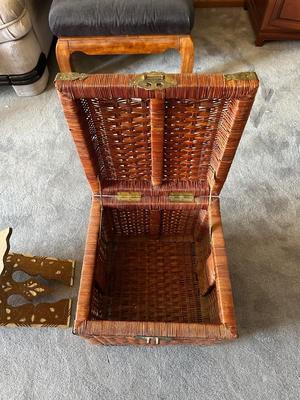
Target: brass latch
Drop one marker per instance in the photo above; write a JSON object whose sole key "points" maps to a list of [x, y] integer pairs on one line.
{"points": [[182, 197], [154, 81], [154, 339], [129, 196]]}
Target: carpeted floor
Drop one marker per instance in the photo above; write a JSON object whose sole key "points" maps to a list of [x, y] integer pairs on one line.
{"points": [[45, 197]]}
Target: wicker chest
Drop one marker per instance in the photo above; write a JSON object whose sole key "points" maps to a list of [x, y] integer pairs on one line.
{"points": [[156, 150]]}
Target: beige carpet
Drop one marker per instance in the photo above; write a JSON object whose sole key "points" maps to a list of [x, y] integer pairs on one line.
{"points": [[45, 197]]}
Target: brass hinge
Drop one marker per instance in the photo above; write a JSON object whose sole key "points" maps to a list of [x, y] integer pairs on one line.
{"points": [[154, 81], [182, 197], [241, 76], [129, 196]]}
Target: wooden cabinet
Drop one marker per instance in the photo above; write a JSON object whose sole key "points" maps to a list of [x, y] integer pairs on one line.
{"points": [[286, 14], [274, 19]]}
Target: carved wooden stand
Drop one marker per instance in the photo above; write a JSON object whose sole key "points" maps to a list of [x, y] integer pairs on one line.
{"points": [[40, 315]]}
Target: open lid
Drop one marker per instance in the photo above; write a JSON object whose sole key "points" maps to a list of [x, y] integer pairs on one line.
{"points": [[157, 133]]}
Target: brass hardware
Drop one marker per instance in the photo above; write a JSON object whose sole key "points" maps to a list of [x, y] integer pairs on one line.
{"points": [[182, 197], [70, 76], [154, 339], [154, 81], [129, 196], [74, 331], [241, 76]]}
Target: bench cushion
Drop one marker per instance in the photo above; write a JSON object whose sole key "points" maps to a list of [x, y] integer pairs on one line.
{"points": [[121, 17]]}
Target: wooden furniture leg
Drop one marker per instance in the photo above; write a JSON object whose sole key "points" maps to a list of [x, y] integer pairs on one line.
{"points": [[186, 50], [146, 44], [259, 41], [63, 55]]}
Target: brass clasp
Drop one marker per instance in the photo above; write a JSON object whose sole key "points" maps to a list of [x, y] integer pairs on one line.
{"points": [[154, 81], [154, 339]]}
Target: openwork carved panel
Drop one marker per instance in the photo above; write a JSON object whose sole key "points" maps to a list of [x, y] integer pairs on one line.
{"points": [[39, 315]]}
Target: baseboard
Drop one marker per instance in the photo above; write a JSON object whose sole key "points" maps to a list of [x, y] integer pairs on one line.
{"points": [[219, 3]]}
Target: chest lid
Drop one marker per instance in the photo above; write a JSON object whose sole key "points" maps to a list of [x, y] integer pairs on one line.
{"points": [[156, 133]]}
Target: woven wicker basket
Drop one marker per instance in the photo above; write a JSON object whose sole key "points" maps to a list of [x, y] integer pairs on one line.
{"points": [[156, 150]]}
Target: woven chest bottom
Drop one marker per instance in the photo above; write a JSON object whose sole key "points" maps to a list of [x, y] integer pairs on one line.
{"points": [[153, 280], [155, 276]]}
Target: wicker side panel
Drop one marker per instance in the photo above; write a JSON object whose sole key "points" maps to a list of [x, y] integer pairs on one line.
{"points": [[85, 293], [128, 222], [178, 222], [230, 130], [152, 333], [210, 307], [77, 127], [102, 267], [119, 130], [191, 127], [138, 220], [223, 284], [129, 147]]}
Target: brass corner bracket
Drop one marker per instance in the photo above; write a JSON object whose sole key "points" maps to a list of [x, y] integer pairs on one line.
{"points": [[241, 76], [70, 76]]}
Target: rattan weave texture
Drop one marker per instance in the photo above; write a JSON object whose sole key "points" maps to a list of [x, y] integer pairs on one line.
{"points": [[155, 267]]}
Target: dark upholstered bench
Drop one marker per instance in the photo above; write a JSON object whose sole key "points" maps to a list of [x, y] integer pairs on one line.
{"points": [[122, 27]]}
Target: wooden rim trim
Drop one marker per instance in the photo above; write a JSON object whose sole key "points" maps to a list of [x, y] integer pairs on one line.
{"points": [[223, 285], [84, 150], [157, 118], [89, 263]]}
